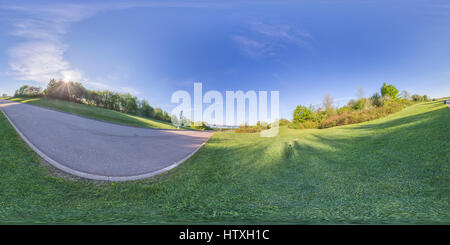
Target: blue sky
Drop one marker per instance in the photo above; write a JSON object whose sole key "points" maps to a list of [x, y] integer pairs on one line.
{"points": [[304, 49]]}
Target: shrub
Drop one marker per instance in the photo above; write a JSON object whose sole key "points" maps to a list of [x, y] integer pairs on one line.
{"points": [[146, 110], [360, 104], [389, 90], [301, 114], [28, 91], [351, 117], [283, 122], [252, 129], [200, 126], [376, 100]]}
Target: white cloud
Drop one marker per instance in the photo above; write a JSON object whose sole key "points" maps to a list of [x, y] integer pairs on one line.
{"points": [[264, 39], [281, 32], [250, 47], [40, 57]]}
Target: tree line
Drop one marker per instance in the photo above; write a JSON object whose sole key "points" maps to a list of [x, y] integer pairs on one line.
{"points": [[380, 104], [77, 93]]}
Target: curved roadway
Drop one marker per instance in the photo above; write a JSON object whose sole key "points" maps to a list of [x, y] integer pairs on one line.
{"points": [[100, 150]]}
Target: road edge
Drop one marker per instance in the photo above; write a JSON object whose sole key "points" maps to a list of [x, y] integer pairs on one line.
{"points": [[95, 176]]}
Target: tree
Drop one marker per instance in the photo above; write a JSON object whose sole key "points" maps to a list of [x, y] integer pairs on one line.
{"points": [[50, 86], [32, 91], [327, 102], [359, 104], [21, 91], [146, 110], [376, 100], [301, 114], [159, 114], [360, 93], [389, 90], [417, 98], [405, 95]]}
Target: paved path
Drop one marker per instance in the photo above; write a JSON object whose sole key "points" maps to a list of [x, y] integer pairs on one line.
{"points": [[100, 150]]}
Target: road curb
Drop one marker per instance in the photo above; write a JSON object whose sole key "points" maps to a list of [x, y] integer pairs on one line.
{"points": [[95, 176]]}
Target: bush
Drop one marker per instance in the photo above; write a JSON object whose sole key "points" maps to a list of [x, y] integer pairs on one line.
{"points": [[360, 104], [301, 114], [252, 129], [356, 111], [283, 122], [351, 117], [304, 125], [28, 91], [376, 100], [146, 110], [389, 90], [200, 126]]}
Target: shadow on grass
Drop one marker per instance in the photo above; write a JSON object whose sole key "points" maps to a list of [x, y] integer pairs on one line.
{"points": [[396, 175]]}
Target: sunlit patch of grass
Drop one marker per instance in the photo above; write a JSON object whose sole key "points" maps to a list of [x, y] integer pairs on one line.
{"points": [[392, 170], [29, 100]]}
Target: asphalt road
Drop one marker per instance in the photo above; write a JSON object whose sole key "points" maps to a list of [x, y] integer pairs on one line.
{"points": [[100, 150]]}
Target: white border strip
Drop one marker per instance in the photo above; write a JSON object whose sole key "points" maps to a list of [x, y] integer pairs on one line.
{"points": [[95, 176]]}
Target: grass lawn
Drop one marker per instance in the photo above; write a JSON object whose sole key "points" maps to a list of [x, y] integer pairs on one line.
{"points": [[391, 170], [95, 112]]}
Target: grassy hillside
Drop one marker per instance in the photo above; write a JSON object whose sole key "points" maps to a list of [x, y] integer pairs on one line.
{"points": [[391, 170], [95, 112]]}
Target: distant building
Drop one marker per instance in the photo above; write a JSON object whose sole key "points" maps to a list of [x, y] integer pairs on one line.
{"points": [[4, 95], [447, 102]]}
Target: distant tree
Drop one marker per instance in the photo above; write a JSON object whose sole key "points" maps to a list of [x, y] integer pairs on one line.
{"points": [[159, 114], [425, 98], [21, 91], [405, 95], [389, 90], [50, 86], [417, 98], [327, 102], [359, 104], [360, 93], [146, 110], [301, 114], [32, 91]]}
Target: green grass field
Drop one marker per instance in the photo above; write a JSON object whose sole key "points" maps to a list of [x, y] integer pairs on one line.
{"points": [[393, 170], [95, 112]]}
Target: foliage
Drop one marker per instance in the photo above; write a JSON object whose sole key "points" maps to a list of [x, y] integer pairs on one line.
{"points": [[75, 92], [418, 98], [389, 90], [301, 114], [360, 110], [283, 122], [357, 116], [377, 100], [95, 112], [359, 104], [28, 91], [252, 129], [200, 126], [146, 110]]}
